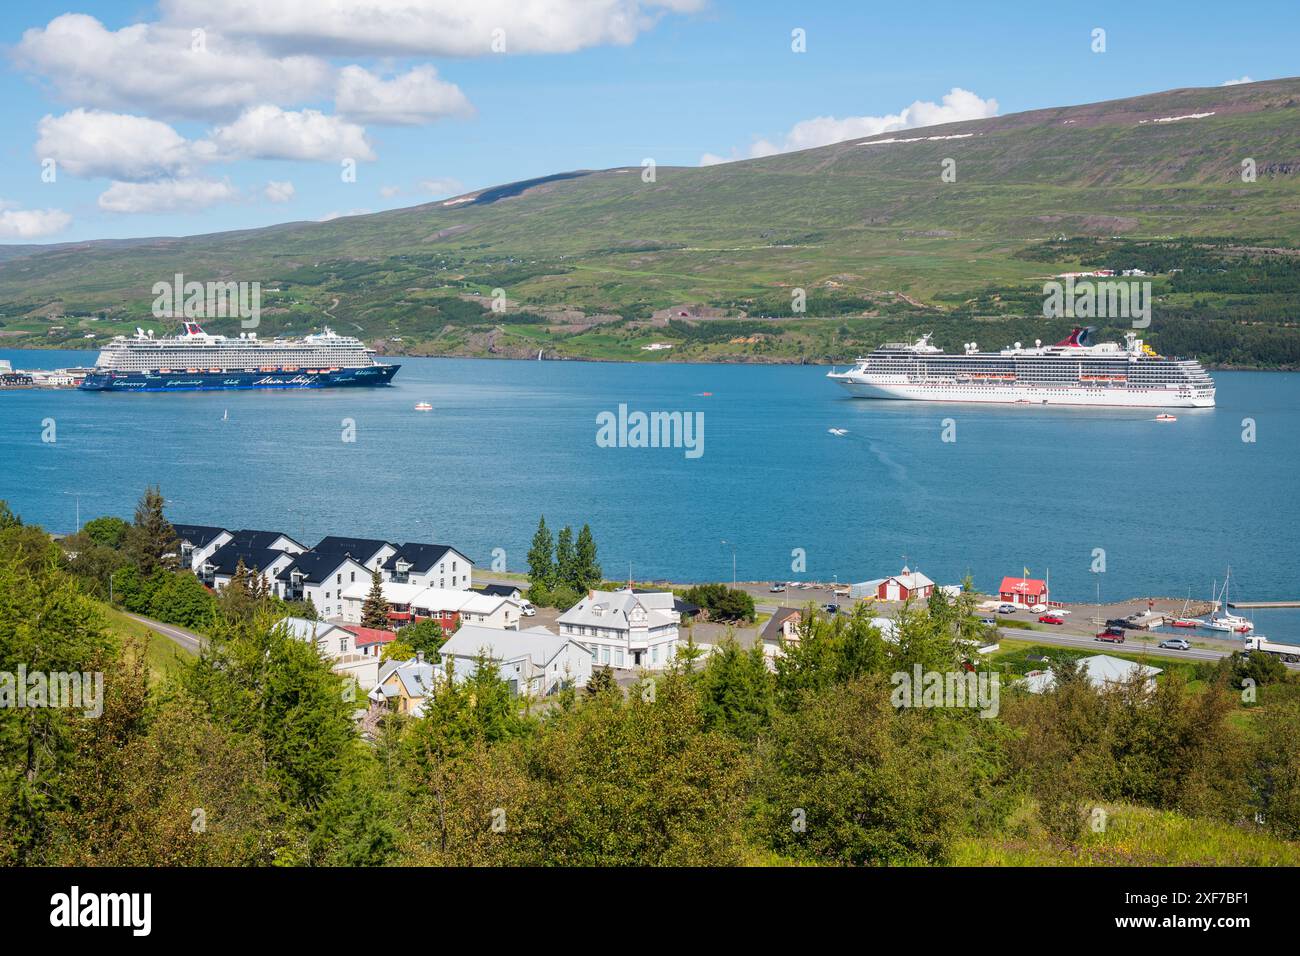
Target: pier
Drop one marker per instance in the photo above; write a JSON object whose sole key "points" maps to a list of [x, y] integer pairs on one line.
{"points": [[1258, 604]]}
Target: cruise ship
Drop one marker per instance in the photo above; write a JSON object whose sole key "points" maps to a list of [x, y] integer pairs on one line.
{"points": [[1074, 371], [193, 360]]}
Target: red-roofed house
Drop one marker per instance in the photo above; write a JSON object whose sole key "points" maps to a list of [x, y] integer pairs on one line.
{"points": [[1023, 591], [370, 640]]}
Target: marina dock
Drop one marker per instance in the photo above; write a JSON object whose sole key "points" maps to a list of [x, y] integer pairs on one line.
{"points": [[1258, 604]]}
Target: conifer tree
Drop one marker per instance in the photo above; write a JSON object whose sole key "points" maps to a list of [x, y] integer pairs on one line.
{"points": [[541, 563], [151, 541], [566, 560], [589, 573], [374, 612]]}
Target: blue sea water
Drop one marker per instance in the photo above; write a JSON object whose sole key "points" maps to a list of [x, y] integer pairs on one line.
{"points": [[1170, 505]]}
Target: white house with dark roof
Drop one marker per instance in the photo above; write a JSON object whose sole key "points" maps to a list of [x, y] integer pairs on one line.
{"points": [[320, 577], [625, 628], [432, 565], [199, 542], [371, 553], [535, 661]]}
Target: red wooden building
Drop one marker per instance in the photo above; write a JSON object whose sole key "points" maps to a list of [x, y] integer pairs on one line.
{"points": [[1023, 591]]}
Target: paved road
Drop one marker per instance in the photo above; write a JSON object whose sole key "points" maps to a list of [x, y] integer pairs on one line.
{"points": [[187, 639]]}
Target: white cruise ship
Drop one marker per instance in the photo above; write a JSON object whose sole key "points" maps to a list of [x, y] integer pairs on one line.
{"points": [[194, 360], [1072, 372]]}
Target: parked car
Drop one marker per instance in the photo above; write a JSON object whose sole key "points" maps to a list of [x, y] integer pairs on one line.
{"points": [[1112, 635], [777, 588], [1007, 609], [842, 592], [1060, 610], [1050, 619], [831, 608], [989, 621], [527, 610], [1176, 644], [1038, 608], [1119, 622]]}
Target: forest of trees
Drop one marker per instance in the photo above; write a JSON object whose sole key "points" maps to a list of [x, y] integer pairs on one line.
{"points": [[248, 755]]}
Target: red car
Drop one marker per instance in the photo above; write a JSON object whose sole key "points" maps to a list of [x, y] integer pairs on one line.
{"points": [[1112, 635], [1051, 619]]}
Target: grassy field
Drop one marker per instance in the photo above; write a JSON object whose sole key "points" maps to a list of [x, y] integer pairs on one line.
{"points": [[601, 263], [1132, 836], [162, 656]]}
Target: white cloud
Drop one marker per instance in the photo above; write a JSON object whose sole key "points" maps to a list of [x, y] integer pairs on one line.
{"points": [[388, 192], [441, 187], [167, 195], [430, 27], [957, 105], [411, 99], [31, 223], [156, 68], [279, 191], [119, 146], [1237, 82], [337, 214], [268, 132]]}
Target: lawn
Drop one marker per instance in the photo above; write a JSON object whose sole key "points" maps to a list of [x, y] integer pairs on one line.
{"points": [[163, 657]]}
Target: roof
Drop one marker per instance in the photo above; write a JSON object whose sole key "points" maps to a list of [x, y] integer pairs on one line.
{"points": [[422, 557], [363, 549], [612, 609], [912, 580], [259, 540], [394, 592], [415, 676], [306, 630], [225, 560], [1100, 669], [316, 566], [197, 534], [1011, 585], [682, 607], [499, 590], [429, 599], [366, 636], [536, 643]]}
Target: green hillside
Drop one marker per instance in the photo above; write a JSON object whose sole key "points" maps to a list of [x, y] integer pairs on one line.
{"points": [[600, 263]]}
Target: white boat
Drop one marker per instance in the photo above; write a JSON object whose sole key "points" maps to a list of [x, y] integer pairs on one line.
{"points": [[1222, 620], [423, 407], [1074, 371]]}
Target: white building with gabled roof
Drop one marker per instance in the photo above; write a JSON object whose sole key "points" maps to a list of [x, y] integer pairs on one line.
{"points": [[625, 628]]}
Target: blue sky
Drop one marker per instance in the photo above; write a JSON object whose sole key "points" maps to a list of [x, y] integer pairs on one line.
{"points": [[153, 138]]}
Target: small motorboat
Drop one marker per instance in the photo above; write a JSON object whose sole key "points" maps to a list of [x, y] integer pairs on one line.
{"points": [[1185, 622], [423, 407], [1166, 418]]}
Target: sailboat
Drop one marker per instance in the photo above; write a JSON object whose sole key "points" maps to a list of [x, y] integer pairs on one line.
{"points": [[1183, 620], [225, 415], [1221, 620]]}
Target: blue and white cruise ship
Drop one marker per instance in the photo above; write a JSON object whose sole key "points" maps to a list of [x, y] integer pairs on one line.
{"points": [[193, 360]]}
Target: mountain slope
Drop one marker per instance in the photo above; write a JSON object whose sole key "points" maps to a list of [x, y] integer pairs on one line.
{"points": [[868, 227]]}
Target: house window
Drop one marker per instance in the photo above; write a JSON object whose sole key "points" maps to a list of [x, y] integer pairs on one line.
{"points": [[338, 579], [354, 577], [604, 655], [618, 657]]}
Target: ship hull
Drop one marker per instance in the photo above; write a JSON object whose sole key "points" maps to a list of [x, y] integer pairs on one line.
{"points": [[369, 376], [1028, 394]]}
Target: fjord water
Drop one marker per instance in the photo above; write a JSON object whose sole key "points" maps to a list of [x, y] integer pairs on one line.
{"points": [[1170, 504]]}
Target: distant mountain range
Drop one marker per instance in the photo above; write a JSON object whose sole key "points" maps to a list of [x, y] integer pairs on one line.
{"points": [[602, 264]]}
